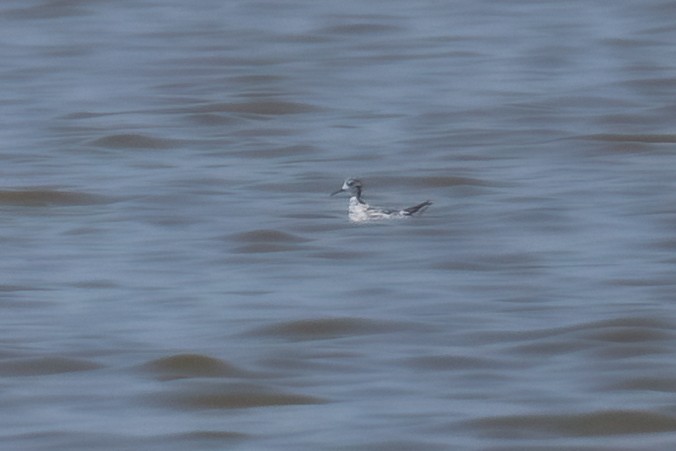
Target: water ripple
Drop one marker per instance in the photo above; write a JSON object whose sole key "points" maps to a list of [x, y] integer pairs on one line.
{"points": [[47, 197], [183, 366], [600, 423], [45, 365], [231, 396]]}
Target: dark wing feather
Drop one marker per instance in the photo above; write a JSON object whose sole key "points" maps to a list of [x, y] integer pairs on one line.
{"points": [[416, 208]]}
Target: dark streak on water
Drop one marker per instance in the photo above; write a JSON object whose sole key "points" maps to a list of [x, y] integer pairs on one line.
{"points": [[175, 275], [44, 197]]}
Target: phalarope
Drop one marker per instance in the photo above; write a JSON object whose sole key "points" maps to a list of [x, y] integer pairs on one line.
{"points": [[360, 211]]}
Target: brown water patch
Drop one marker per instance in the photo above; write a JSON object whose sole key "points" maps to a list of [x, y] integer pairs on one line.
{"points": [[257, 107], [12, 288], [495, 262], [199, 436], [664, 84], [361, 28], [256, 79], [448, 363], [262, 131], [339, 255], [628, 335], [96, 284], [640, 329], [234, 396], [49, 10], [604, 339], [212, 119], [658, 384], [135, 141], [619, 137], [45, 365], [45, 197], [552, 346], [629, 350], [609, 422], [646, 333], [642, 282], [266, 240], [262, 248], [84, 115], [326, 328], [75, 440], [399, 445], [182, 366], [648, 322], [614, 339], [337, 362], [279, 152], [269, 236]]}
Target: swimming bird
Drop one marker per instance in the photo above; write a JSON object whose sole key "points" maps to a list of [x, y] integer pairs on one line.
{"points": [[360, 211]]}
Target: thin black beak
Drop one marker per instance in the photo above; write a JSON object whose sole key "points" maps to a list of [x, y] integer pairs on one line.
{"points": [[336, 192]]}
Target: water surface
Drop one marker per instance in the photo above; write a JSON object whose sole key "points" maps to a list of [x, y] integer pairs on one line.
{"points": [[174, 274]]}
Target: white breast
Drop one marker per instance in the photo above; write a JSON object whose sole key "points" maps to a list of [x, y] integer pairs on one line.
{"points": [[362, 212], [357, 210]]}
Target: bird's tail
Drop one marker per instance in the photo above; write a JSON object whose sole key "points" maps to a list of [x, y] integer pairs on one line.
{"points": [[416, 208]]}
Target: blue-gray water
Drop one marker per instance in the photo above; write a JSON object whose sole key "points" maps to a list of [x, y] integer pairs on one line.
{"points": [[175, 276]]}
